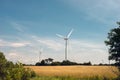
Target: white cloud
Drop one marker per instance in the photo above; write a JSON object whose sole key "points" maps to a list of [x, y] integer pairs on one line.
{"points": [[51, 44], [78, 50], [19, 44], [13, 56], [19, 57], [82, 51], [4, 43]]}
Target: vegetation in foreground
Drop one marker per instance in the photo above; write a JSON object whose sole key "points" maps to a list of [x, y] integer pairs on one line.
{"points": [[11, 71], [113, 42], [71, 78]]}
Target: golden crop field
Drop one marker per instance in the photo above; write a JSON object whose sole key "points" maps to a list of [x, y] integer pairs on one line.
{"points": [[75, 71]]}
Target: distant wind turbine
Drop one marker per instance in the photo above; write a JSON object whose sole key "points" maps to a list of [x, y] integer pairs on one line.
{"points": [[40, 53], [66, 42]]}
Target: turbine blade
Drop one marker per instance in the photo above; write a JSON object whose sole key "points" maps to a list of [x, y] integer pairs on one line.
{"points": [[69, 33], [60, 36]]}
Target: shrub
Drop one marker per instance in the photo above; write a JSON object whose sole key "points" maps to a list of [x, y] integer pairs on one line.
{"points": [[10, 71], [55, 63]]}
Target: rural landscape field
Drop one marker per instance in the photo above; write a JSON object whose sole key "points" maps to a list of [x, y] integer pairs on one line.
{"points": [[79, 72], [59, 39]]}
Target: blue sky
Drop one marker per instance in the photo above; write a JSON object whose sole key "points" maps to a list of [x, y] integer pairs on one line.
{"points": [[26, 26]]}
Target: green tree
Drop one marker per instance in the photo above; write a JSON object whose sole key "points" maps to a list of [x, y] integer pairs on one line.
{"points": [[3, 62], [113, 41], [50, 60], [43, 62], [10, 71], [56, 63]]}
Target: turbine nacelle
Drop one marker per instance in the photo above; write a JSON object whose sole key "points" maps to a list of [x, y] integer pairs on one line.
{"points": [[65, 38]]}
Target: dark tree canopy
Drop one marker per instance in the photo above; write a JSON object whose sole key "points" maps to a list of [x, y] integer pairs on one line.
{"points": [[114, 44]]}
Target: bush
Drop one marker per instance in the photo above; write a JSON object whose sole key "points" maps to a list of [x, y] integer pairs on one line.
{"points": [[67, 62], [56, 63], [10, 71]]}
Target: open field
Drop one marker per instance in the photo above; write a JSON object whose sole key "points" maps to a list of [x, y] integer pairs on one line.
{"points": [[75, 71]]}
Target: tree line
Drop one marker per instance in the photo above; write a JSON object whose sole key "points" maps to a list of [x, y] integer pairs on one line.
{"points": [[50, 62]]}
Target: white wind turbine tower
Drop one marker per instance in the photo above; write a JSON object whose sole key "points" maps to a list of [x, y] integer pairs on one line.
{"points": [[40, 53], [66, 38]]}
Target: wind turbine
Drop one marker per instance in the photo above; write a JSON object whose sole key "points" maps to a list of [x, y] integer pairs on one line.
{"points": [[40, 52], [66, 38]]}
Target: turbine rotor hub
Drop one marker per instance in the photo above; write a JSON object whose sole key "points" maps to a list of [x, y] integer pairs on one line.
{"points": [[65, 38]]}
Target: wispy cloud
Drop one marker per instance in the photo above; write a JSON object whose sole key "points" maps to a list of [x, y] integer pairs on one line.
{"points": [[78, 50], [4, 43], [17, 26], [83, 51], [51, 44], [29, 45], [17, 56], [19, 44]]}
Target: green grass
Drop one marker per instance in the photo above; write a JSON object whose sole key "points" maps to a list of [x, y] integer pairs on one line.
{"points": [[53, 78], [69, 78]]}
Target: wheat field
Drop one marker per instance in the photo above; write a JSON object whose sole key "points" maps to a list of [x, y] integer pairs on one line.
{"points": [[75, 71]]}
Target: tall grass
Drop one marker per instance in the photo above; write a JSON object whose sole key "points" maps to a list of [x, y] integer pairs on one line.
{"points": [[77, 72]]}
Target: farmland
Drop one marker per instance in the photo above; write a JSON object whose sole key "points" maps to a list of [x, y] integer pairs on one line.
{"points": [[75, 71]]}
